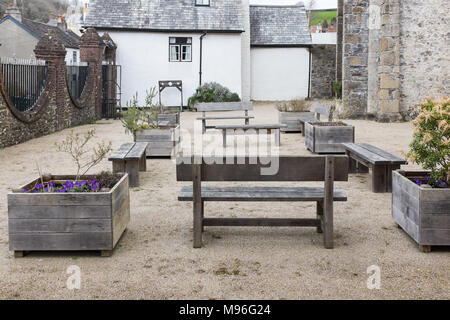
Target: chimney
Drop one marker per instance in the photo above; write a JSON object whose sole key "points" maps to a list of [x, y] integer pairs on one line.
{"points": [[14, 11], [62, 24]]}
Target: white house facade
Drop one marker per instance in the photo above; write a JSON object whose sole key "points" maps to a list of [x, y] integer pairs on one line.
{"points": [[19, 37], [200, 41]]}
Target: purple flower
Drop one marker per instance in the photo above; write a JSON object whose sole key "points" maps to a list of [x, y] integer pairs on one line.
{"points": [[427, 177], [26, 191], [418, 182]]}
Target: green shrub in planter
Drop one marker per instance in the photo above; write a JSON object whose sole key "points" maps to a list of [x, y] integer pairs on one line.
{"points": [[431, 141], [213, 92]]}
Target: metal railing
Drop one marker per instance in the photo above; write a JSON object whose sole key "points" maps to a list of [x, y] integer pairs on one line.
{"points": [[24, 81], [77, 76]]}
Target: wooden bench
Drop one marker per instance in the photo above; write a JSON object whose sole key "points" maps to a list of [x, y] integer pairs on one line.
{"points": [[364, 156], [255, 127], [291, 168], [131, 158], [318, 110], [223, 107]]}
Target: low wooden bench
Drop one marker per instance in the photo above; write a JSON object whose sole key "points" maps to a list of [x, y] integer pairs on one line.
{"points": [[318, 110], [223, 107], [131, 158], [255, 127], [364, 156], [291, 168]]}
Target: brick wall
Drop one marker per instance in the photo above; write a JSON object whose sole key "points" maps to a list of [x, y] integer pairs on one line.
{"points": [[56, 109]]}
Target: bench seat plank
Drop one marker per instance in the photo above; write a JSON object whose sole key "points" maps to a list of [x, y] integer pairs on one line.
{"points": [[137, 151], [226, 118], [122, 152], [260, 194], [224, 106], [250, 126], [308, 119], [389, 156], [365, 154]]}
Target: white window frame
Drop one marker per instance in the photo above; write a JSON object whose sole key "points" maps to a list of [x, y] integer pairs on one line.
{"points": [[179, 46], [204, 3]]}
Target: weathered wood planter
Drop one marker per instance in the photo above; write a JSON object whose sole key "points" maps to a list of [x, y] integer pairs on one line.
{"points": [[292, 120], [161, 142], [170, 119], [423, 213], [327, 137], [68, 221]]}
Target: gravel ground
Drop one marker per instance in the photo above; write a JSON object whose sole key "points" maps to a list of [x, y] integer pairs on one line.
{"points": [[155, 258]]}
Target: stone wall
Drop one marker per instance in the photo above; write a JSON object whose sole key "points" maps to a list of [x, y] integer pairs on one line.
{"points": [[394, 55], [323, 66], [424, 51], [355, 57], [56, 109]]}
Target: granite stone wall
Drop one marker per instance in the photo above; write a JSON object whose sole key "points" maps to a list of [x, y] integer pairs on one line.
{"points": [[395, 53], [56, 109], [424, 51], [355, 57], [323, 66]]}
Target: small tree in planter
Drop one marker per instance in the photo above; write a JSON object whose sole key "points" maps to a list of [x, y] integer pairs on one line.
{"points": [[421, 200], [289, 114], [75, 212], [150, 124]]}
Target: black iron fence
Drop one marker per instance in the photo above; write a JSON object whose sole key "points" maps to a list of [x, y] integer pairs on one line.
{"points": [[77, 75], [24, 81], [111, 89]]}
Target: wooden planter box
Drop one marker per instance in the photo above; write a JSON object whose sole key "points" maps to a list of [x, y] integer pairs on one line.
{"points": [[327, 137], [161, 142], [292, 120], [423, 213], [172, 119], [68, 221]]}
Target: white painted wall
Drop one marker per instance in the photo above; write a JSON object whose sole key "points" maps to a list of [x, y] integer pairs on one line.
{"points": [[324, 38], [18, 43], [15, 41], [69, 56], [144, 57], [279, 74], [246, 58]]}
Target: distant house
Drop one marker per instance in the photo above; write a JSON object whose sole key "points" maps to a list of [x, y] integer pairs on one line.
{"points": [[19, 36], [260, 52]]}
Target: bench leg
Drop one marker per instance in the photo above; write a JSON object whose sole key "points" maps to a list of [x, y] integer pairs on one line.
{"points": [[203, 126], [320, 216], [277, 137], [203, 215], [302, 124], [224, 137], [118, 166], [143, 163], [198, 224], [328, 204], [132, 167], [379, 178], [389, 176], [197, 205]]}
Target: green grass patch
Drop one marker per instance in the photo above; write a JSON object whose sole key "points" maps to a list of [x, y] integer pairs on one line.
{"points": [[319, 16]]}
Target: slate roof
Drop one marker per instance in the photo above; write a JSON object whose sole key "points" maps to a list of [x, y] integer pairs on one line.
{"points": [[279, 26], [165, 15], [68, 38]]}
